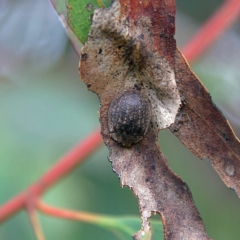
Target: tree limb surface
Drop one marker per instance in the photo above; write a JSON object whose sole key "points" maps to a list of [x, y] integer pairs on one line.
{"points": [[131, 46]]}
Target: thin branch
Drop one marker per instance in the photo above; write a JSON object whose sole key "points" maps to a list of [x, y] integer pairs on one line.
{"points": [[67, 214], [216, 25], [101, 220], [65, 165]]}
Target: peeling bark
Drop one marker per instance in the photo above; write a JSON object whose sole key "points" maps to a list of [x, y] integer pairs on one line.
{"points": [[203, 129], [131, 45]]}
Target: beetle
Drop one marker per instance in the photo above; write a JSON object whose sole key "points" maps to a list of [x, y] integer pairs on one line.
{"points": [[129, 116]]}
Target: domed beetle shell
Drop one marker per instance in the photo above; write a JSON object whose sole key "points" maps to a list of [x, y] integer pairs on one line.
{"points": [[129, 116]]}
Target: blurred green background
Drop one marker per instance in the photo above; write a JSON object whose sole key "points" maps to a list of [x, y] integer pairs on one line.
{"points": [[45, 110]]}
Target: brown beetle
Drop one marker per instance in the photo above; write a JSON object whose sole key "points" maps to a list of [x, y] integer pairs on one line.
{"points": [[129, 116]]}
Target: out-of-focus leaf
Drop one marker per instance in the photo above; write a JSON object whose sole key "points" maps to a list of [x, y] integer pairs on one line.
{"points": [[60, 6], [80, 13], [157, 230], [124, 227]]}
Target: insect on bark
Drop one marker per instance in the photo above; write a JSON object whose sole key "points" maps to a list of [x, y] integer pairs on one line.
{"points": [[129, 116]]}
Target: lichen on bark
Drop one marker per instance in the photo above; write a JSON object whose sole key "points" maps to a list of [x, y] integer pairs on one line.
{"points": [[129, 47]]}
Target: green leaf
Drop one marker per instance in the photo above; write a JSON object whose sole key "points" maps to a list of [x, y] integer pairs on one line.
{"points": [[61, 8], [76, 16], [79, 15]]}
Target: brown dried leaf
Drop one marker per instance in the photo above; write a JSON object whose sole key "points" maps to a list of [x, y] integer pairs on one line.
{"points": [[203, 128], [131, 46]]}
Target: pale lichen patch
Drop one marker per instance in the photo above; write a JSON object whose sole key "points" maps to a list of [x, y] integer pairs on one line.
{"points": [[118, 59]]}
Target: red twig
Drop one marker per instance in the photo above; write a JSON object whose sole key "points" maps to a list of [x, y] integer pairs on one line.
{"points": [[67, 214], [224, 17], [207, 34], [66, 164], [35, 223]]}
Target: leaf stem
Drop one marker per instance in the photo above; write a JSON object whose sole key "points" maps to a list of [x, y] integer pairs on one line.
{"points": [[104, 221], [35, 222], [65, 165]]}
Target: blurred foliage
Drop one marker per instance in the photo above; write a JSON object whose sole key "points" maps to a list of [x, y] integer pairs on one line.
{"points": [[198, 10], [45, 110]]}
